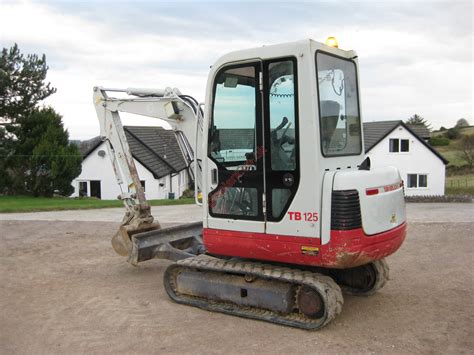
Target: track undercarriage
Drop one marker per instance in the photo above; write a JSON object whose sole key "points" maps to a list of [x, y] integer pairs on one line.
{"points": [[273, 293], [291, 295]]}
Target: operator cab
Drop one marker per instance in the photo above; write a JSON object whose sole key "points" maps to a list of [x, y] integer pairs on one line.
{"points": [[261, 117], [285, 132]]}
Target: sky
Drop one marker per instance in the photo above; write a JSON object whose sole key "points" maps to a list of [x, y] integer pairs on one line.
{"points": [[414, 56]]}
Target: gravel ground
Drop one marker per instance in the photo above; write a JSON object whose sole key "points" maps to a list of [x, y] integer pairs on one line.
{"points": [[64, 290], [167, 214], [416, 212]]}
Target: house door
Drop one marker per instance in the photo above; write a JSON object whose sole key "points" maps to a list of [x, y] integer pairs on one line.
{"points": [[95, 188]]}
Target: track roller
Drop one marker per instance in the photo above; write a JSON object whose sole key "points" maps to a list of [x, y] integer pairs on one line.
{"points": [[247, 289]]}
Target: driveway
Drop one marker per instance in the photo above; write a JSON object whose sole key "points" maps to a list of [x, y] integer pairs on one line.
{"points": [[63, 290]]}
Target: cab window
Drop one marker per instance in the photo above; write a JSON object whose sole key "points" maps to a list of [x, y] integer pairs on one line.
{"points": [[232, 139], [338, 106]]}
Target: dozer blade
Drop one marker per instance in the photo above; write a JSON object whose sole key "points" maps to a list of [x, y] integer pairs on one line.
{"points": [[275, 294], [174, 243]]}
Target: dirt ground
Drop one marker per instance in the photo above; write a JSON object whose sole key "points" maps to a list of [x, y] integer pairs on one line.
{"points": [[64, 290]]}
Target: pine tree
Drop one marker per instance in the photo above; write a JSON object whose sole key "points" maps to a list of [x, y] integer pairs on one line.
{"points": [[22, 83], [418, 120], [44, 162], [35, 154]]}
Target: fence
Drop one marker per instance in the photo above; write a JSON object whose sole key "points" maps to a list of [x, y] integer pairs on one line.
{"points": [[460, 182]]}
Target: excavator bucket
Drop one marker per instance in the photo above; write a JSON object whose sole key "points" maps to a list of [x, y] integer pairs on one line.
{"points": [[150, 241], [122, 240]]}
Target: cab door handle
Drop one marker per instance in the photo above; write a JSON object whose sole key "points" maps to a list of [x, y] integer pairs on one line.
{"points": [[214, 176]]}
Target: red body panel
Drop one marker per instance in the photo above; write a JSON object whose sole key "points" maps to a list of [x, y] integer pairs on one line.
{"points": [[346, 249]]}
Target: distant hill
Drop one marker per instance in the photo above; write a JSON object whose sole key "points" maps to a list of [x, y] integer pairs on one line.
{"points": [[451, 152], [463, 130]]}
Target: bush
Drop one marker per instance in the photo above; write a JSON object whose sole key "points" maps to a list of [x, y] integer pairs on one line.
{"points": [[452, 170], [439, 141], [188, 193], [453, 133]]}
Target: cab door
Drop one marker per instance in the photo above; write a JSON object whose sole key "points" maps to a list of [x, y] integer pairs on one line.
{"points": [[236, 153], [282, 172]]}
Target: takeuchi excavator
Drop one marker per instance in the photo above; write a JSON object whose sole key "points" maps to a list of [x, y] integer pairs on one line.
{"points": [[293, 215]]}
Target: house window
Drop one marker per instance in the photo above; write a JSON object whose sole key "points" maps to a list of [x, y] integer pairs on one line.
{"points": [[142, 182], [404, 145], [83, 188], [417, 180], [394, 145], [95, 188], [399, 145], [422, 181], [412, 181]]}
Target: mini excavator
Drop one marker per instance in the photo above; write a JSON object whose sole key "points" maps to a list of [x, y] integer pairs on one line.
{"points": [[293, 215]]}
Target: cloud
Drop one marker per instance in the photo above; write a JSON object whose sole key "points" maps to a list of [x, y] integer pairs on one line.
{"points": [[415, 56]]}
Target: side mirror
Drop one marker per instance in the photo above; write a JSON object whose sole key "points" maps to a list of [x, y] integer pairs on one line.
{"points": [[365, 164]]}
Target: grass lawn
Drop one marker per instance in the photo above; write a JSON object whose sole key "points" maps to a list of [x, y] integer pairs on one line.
{"points": [[452, 154], [34, 204], [460, 185]]}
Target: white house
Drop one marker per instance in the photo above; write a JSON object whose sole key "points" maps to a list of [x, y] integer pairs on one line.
{"points": [[160, 163], [394, 143]]}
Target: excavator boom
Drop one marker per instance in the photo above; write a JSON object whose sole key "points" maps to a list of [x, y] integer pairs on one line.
{"points": [[185, 117]]}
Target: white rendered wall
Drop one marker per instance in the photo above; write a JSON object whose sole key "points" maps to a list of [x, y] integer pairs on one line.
{"points": [[95, 167], [418, 160], [180, 183]]}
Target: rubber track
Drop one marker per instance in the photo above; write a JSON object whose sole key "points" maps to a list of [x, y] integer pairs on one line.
{"points": [[382, 272], [324, 285]]}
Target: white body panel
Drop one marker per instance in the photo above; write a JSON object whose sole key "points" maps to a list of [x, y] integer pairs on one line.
{"points": [[313, 164], [380, 212], [418, 160]]}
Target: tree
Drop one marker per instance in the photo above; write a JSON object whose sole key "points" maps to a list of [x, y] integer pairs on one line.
{"points": [[462, 122], [438, 141], [35, 154], [453, 133], [466, 146], [22, 83], [418, 120], [4, 177], [44, 161]]}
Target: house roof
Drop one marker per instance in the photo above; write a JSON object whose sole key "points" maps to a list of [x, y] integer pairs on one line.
{"points": [[420, 130], [155, 148], [374, 132], [241, 137], [236, 138], [86, 147]]}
